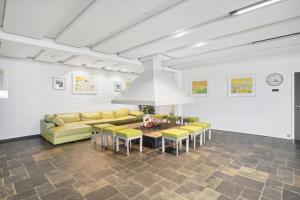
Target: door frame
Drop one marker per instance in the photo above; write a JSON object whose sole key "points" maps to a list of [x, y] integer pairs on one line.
{"points": [[293, 105]]}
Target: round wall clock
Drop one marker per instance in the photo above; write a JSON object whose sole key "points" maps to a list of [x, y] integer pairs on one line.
{"points": [[274, 79]]}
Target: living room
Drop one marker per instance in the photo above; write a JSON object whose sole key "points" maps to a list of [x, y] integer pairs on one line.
{"points": [[172, 99]]}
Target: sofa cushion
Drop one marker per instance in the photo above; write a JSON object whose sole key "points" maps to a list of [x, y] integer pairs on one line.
{"points": [[48, 118], [100, 121], [57, 121], [136, 113], [69, 117], [107, 115], [90, 116], [69, 129], [125, 119], [122, 112]]}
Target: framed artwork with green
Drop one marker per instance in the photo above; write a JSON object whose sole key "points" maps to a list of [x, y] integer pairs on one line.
{"points": [[199, 87]]}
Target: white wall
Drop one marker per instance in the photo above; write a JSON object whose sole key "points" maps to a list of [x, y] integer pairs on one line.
{"points": [[268, 113], [31, 95]]}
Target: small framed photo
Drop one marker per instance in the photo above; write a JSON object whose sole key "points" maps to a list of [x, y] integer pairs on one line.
{"points": [[118, 86], [199, 87], [59, 83]]}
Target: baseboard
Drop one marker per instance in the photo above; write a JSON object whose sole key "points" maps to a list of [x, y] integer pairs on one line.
{"points": [[19, 138]]}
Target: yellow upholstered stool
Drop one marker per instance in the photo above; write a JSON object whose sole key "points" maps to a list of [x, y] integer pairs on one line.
{"points": [[98, 129], [176, 135], [111, 132], [205, 126], [194, 131], [128, 135]]}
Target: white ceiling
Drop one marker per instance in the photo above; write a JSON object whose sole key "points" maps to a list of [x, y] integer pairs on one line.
{"points": [[115, 34]]}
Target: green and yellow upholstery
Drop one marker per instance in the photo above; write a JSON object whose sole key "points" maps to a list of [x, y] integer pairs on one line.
{"points": [[112, 130], [202, 124], [90, 116], [160, 116], [129, 133], [136, 113], [190, 120], [192, 129], [173, 118], [123, 112], [100, 127], [69, 117], [175, 133], [108, 115]]}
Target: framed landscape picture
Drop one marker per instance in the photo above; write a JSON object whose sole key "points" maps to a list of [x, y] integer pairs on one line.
{"points": [[59, 83], [241, 85], [199, 87], [84, 84]]}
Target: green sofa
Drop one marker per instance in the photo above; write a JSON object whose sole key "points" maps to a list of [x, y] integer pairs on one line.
{"points": [[78, 126]]}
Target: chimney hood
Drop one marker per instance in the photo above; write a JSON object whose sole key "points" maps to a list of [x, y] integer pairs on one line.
{"points": [[153, 87]]}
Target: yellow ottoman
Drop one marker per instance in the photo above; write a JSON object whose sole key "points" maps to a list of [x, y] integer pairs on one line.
{"points": [[176, 135], [206, 126], [111, 132], [128, 135], [99, 129], [194, 132]]}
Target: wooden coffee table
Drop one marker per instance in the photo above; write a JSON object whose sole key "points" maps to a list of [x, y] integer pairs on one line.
{"points": [[152, 136]]}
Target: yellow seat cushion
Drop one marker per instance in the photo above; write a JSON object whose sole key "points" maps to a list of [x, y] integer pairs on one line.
{"points": [[129, 133], [112, 130], [202, 124], [69, 129], [192, 129], [121, 112], [175, 133], [101, 127], [136, 113], [190, 119], [86, 116], [69, 117], [107, 115]]}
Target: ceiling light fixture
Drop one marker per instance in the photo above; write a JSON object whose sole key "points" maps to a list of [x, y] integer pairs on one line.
{"points": [[199, 44], [180, 34], [254, 6]]}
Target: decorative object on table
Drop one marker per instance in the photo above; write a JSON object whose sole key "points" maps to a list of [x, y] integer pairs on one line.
{"points": [[59, 83], [274, 79], [84, 84], [118, 86], [147, 109], [3, 85], [199, 87], [241, 85]]}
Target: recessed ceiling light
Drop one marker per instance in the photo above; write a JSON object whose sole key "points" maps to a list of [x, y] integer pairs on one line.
{"points": [[254, 6], [180, 34], [199, 44]]}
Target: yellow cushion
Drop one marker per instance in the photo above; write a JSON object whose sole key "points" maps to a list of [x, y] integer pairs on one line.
{"points": [[129, 133], [107, 115], [122, 112], [190, 119], [112, 130], [57, 121], [69, 129], [192, 129], [90, 116], [48, 118], [136, 113], [69, 117], [201, 124], [100, 127], [175, 133]]}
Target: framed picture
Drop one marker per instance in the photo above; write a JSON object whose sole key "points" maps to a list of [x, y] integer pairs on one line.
{"points": [[59, 83], [241, 85], [84, 84], [199, 87], [118, 86]]}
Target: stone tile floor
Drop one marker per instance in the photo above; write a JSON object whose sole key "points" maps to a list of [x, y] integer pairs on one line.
{"points": [[230, 166]]}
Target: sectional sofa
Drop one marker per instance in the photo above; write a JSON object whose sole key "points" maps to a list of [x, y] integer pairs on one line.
{"points": [[68, 127]]}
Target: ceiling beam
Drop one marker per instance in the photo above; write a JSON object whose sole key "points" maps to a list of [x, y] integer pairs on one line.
{"points": [[51, 44]]}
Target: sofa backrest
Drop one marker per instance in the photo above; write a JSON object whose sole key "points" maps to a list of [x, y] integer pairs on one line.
{"points": [[86, 116], [69, 117], [121, 112], [107, 115]]}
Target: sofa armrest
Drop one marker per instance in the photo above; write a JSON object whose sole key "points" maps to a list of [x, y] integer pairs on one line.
{"points": [[136, 113], [44, 126]]}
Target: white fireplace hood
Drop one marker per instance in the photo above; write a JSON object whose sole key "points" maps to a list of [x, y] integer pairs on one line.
{"points": [[152, 87]]}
